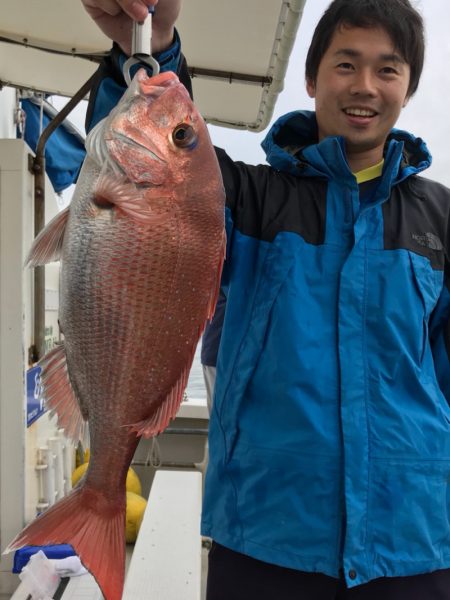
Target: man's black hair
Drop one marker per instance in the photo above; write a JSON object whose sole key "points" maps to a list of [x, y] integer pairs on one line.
{"points": [[397, 17]]}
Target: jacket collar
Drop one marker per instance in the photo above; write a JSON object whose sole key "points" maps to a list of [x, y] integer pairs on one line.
{"points": [[292, 146]]}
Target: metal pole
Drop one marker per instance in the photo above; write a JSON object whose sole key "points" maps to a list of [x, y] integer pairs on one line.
{"points": [[186, 431], [167, 465], [38, 168]]}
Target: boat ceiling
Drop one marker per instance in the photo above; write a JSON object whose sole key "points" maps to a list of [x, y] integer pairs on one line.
{"points": [[238, 52]]}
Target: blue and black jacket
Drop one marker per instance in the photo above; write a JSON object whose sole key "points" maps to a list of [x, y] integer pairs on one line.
{"points": [[330, 430]]}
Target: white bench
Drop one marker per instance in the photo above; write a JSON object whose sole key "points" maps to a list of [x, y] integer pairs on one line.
{"points": [[166, 560]]}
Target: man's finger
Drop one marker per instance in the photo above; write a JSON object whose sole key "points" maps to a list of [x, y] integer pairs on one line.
{"points": [[96, 7], [136, 9]]}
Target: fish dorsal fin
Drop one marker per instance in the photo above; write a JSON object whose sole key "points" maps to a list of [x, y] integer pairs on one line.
{"points": [[59, 395], [120, 192], [167, 409], [48, 244]]}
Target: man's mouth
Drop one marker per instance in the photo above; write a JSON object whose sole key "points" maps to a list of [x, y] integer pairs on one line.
{"points": [[360, 112]]}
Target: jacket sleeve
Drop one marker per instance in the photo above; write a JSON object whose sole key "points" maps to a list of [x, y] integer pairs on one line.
{"points": [[110, 85], [246, 187]]}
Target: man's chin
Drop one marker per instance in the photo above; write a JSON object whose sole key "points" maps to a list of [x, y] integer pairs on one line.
{"points": [[358, 146]]}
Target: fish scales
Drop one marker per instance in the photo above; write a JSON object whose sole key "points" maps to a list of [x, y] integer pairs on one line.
{"points": [[141, 248]]}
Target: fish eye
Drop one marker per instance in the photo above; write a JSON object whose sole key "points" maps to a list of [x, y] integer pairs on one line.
{"points": [[184, 136]]}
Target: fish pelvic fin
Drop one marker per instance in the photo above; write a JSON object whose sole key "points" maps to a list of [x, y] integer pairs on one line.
{"points": [[120, 192], [60, 396], [48, 244], [93, 526]]}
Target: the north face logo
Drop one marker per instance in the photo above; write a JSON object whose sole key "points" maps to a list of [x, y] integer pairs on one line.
{"points": [[428, 240]]}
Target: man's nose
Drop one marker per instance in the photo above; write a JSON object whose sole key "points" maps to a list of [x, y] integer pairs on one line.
{"points": [[364, 83]]}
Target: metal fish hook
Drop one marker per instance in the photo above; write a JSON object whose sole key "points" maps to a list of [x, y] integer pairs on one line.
{"points": [[141, 47]]}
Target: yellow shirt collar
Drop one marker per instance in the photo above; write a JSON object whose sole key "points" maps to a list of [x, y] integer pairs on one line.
{"points": [[369, 173]]}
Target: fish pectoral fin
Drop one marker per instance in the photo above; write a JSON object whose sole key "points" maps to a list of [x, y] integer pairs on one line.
{"points": [[125, 196], [166, 411], [59, 395], [48, 244]]}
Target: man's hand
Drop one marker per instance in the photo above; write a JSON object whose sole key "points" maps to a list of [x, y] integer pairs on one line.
{"points": [[114, 18]]}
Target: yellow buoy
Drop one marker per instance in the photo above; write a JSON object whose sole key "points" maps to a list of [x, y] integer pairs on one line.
{"points": [[81, 458], [133, 483], [78, 473], [135, 511]]}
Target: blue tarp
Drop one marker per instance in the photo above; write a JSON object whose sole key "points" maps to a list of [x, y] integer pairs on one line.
{"points": [[64, 151], [22, 556]]}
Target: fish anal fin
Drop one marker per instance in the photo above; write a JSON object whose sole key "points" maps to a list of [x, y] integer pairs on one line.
{"points": [[59, 395], [167, 409], [94, 527], [216, 288], [124, 195], [48, 244]]}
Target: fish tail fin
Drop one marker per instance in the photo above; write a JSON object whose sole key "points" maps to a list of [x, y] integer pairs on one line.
{"points": [[95, 528]]}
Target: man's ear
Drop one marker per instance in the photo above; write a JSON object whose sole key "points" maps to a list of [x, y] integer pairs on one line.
{"points": [[311, 88]]}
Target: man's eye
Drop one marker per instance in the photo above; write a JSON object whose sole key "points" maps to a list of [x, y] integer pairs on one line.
{"points": [[345, 66], [389, 70]]}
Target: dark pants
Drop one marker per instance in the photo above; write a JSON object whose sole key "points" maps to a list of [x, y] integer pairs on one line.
{"points": [[234, 576]]}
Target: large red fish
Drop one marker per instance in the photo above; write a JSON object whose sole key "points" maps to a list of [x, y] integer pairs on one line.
{"points": [[142, 247]]}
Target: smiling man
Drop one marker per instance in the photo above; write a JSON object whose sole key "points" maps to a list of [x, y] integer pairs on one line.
{"points": [[330, 431], [360, 87]]}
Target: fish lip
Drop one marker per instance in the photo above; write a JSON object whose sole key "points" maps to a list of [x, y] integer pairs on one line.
{"points": [[126, 140]]}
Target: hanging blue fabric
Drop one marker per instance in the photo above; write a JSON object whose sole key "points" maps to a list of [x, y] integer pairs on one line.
{"points": [[64, 151]]}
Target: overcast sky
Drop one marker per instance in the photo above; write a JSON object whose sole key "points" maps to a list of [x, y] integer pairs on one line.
{"points": [[427, 114]]}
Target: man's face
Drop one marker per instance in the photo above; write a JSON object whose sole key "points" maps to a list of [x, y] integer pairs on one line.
{"points": [[361, 87]]}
